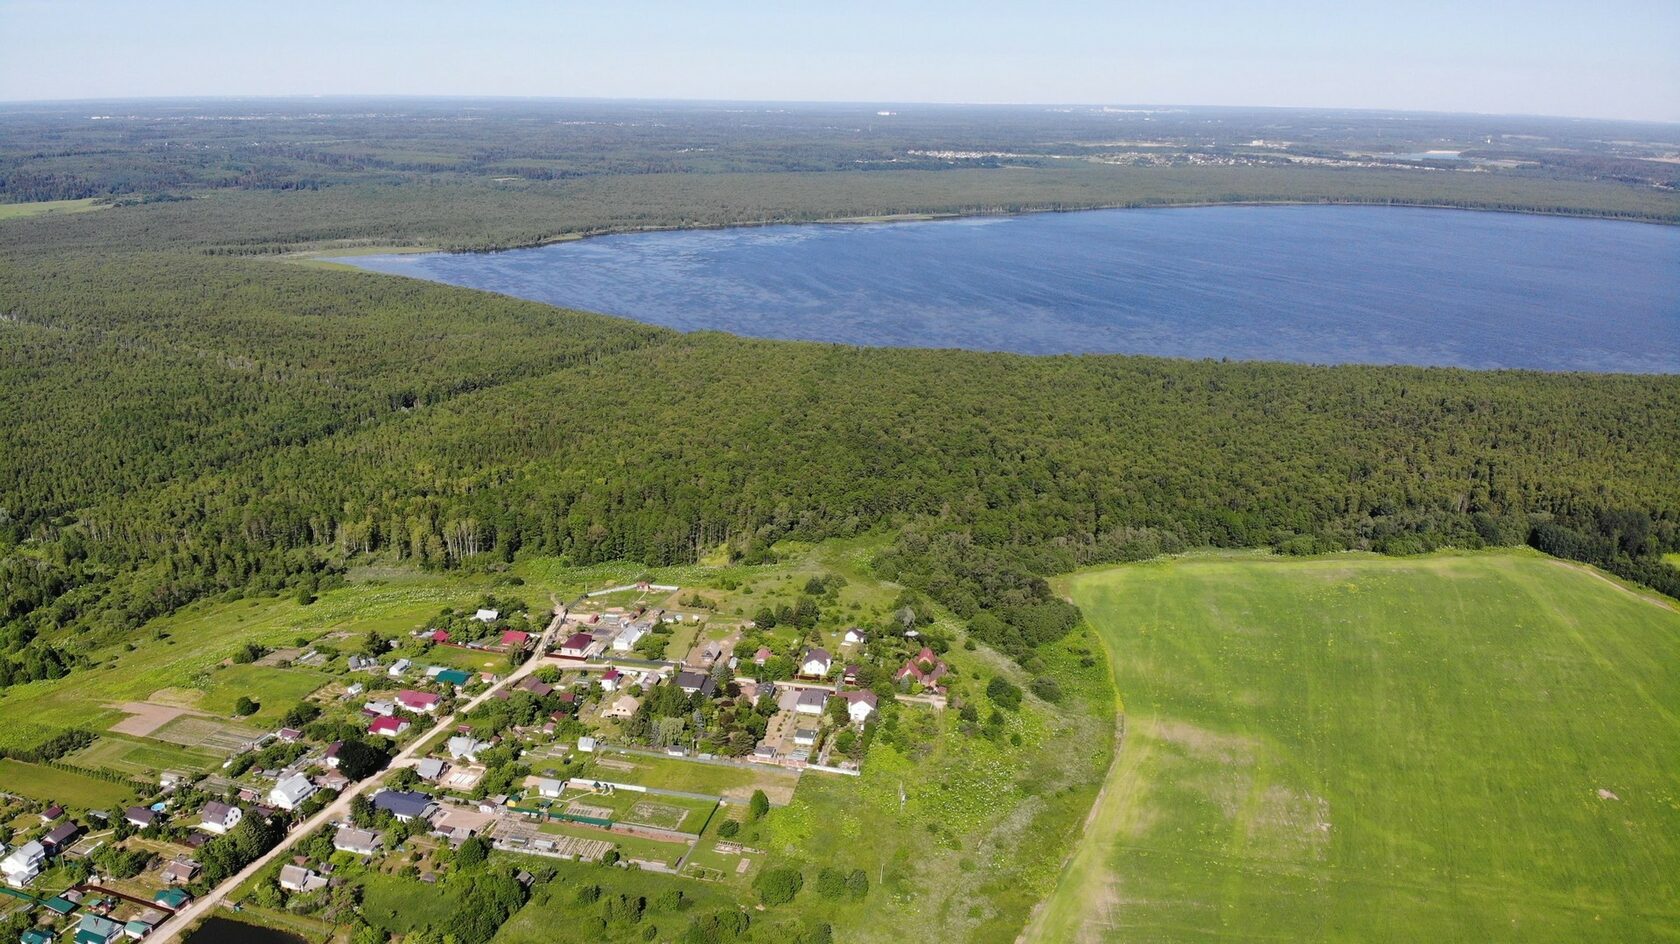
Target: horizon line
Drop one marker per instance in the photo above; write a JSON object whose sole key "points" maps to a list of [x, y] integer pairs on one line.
{"points": [[876, 103]]}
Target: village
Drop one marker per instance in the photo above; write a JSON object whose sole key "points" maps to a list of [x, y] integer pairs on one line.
{"points": [[635, 726]]}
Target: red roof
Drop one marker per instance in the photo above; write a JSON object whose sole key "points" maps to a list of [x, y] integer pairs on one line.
{"points": [[514, 637], [387, 724], [439, 635], [578, 641], [408, 698]]}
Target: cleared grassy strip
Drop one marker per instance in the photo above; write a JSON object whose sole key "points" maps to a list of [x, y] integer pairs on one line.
{"points": [[61, 786], [17, 211], [1452, 748]]}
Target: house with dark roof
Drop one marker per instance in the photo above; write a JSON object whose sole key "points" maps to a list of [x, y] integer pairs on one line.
{"points": [[691, 682], [61, 836], [405, 805], [140, 817], [422, 702], [926, 669], [811, 701], [358, 841], [578, 646], [388, 725], [860, 705], [514, 639]]}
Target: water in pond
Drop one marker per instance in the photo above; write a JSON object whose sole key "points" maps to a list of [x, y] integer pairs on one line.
{"points": [[219, 930], [1318, 284]]}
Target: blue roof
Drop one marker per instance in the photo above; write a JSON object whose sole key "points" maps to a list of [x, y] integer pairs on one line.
{"points": [[401, 802]]}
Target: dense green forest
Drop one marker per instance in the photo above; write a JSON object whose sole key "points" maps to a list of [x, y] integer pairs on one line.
{"points": [[186, 414]]}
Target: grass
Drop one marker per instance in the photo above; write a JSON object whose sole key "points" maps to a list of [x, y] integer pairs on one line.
{"points": [[400, 905], [143, 757], [630, 846], [554, 915], [674, 773], [1358, 748], [17, 211], [49, 784]]}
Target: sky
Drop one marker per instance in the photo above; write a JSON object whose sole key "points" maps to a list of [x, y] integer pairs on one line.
{"points": [[1604, 59]]}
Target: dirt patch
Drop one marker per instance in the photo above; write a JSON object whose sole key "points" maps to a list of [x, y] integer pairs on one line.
{"points": [[1204, 744], [279, 656], [146, 717], [1604, 794]]}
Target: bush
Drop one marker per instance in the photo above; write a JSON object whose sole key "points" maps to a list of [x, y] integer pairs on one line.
{"points": [[1047, 688], [758, 806], [779, 886], [245, 707], [1003, 693], [729, 828]]}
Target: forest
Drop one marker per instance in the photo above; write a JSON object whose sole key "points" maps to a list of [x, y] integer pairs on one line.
{"points": [[190, 408]]}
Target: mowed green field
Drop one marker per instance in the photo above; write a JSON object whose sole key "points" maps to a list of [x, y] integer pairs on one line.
{"points": [[1466, 748]]}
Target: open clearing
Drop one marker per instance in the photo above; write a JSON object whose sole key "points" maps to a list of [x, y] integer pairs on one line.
{"points": [[50, 784], [1469, 747], [17, 211]]}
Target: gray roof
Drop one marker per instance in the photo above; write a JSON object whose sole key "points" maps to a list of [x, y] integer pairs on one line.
{"points": [[402, 803]]}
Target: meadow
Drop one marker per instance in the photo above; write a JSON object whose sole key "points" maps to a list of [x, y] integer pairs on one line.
{"points": [[50, 784], [1465, 747]]}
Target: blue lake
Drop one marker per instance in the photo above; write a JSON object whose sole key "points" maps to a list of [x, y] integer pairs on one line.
{"points": [[1316, 284]]}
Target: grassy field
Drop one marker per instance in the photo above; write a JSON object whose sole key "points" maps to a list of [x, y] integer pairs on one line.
{"points": [[61, 786], [1451, 748], [674, 773], [143, 757], [16, 211]]}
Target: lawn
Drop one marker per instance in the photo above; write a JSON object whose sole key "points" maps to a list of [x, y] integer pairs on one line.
{"points": [[143, 757], [400, 905], [1469, 747], [675, 773], [62, 786], [555, 915]]}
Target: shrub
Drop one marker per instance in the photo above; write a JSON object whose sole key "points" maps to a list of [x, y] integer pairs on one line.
{"points": [[779, 886]]}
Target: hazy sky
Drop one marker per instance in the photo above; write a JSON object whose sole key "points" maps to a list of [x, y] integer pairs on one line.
{"points": [[1607, 58]]}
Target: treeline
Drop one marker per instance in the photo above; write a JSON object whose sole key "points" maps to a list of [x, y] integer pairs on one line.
{"points": [[1625, 542]]}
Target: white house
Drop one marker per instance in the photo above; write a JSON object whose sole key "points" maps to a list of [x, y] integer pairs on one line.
{"points": [[815, 663], [804, 737], [25, 862], [398, 668], [290, 793], [811, 701], [381, 707], [586, 744], [466, 747], [860, 705], [218, 817], [486, 616], [855, 637], [610, 680], [550, 788], [626, 640]]}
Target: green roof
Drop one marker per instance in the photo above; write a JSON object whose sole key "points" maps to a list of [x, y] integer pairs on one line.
{"points": [[36, 936], [61, 905], [171, 897], [453, 677]]}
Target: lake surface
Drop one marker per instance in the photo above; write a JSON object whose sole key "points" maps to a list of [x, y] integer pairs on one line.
{"points": [[1316, 284]]}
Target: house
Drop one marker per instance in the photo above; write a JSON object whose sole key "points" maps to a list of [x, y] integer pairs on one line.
{"points": [[586, 745], [355, 689], [218, 817], [610, 680], [296, 878], [860, 705], [765, 752], [691, 682], [455, 677], [63, 905], [358, 841], [431, 768], [25, 862], [466, 747], [423, 702], [854, 637], [388, 725], [578, 646], [51, 813], [61, 836], [438, 637], [763, 655], [180, 871], [850, 676], [330, 755], [536, 686], [805, 737], [926, 669], [172, 898], [290, 793], [289, 735], [380, 707], [514, 639], [815, 663], [550, 788], [332, 780], [140, 816], [142, 924], [404, 804], [487, 616], [624, 706], [398, 668], [811, 701], [36, 936], [626, 640], [94, 929], [362, 663]]}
